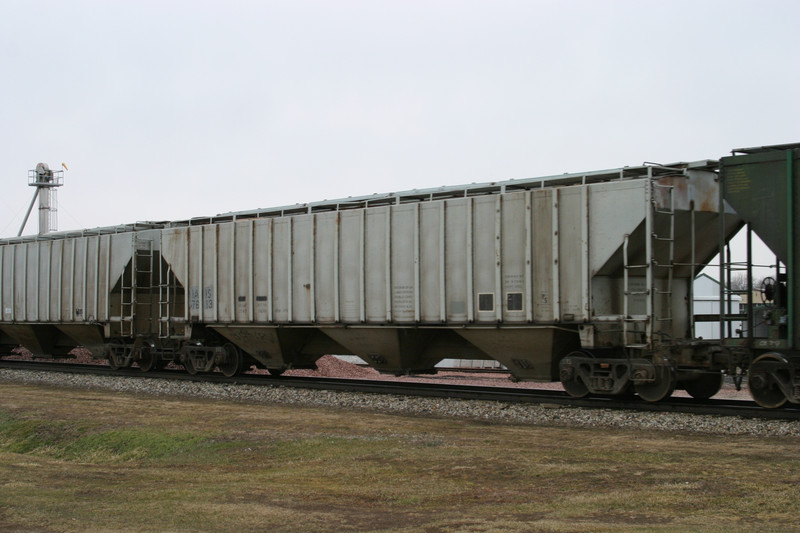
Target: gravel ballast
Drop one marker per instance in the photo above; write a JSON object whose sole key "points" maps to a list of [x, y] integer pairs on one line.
{"points": [[497, 412]]}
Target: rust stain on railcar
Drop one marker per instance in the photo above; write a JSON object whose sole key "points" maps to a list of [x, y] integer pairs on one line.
{"points": [[700, 190]]}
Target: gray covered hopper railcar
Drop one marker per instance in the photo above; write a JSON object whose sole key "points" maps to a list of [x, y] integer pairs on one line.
{"points": [[524, 272]]}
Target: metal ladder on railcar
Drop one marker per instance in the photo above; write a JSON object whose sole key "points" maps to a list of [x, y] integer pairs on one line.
{"points": [[666, 245], [165, 289], [141, 279], [659, 254]]}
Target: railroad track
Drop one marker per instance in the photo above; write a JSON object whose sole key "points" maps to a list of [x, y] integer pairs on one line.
{"points": [[739, 408]]}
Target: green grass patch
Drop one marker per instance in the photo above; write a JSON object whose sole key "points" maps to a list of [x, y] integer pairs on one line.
{"points": [[82, 441]]}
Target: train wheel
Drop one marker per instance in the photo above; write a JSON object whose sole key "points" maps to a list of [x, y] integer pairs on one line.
{"points": [[661, 388], [575, 388], [761, 381], [146, 359], [704, 387], [571, 381], [189, 366], [276, 371], [114, 352], [233, 362]]}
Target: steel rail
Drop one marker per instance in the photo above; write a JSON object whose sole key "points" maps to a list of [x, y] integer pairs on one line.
{"points": [[715, 407]]}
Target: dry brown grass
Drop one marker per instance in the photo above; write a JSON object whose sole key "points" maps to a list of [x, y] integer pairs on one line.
{"points": [[99, 461]]}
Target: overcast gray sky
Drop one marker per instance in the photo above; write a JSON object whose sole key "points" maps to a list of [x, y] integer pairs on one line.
{"points": [[174, 109]]}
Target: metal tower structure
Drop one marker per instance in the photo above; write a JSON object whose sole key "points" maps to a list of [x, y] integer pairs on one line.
{"points": [[46, 181]]}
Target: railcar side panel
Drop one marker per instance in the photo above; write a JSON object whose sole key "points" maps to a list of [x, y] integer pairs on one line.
{"points": [[326, 267], [545, 242], [79, 281], [31, 282], [54, 287], [432, 270], [572, 252], [515, 261], [43, 289], [194, 282], [224, 279], [485, 258], [458, 264], [281, 269], [616, 209], [9, 260], [377, 274], [243, 272], [212, 256], [19, 281], [302, 293], [404, 273], [66, 282], [348, 289], [262, 269]]}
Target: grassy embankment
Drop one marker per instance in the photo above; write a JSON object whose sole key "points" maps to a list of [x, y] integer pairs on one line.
{"points": [[95, 461]]}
